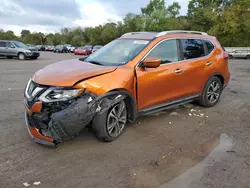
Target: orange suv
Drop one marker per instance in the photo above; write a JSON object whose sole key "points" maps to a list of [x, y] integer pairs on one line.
{"points": [[134, 75]]}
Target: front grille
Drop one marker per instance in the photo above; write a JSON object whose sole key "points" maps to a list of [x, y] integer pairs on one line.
{"points": [[33, 91], [35, 53]]}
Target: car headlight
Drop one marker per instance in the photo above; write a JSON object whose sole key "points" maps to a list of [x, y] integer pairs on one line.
{"points": [[27, 51], [57, 94]]}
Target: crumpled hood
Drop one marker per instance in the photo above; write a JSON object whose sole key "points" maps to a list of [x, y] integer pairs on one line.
{"points": [[68, 72]]}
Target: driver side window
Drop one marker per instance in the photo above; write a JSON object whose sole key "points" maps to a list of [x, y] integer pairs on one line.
{"points": [[167, 51]]}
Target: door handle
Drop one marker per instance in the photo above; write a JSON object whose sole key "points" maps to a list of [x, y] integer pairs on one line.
{"points": [[209, 63], [178, 70]]}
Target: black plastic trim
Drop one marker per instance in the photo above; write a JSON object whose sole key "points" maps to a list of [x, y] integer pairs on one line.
{"points": [[167, 105], [39, 141]]}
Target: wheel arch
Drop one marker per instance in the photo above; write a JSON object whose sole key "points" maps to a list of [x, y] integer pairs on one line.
{"points": [[130, 103], [20, 52], [218, 75]]}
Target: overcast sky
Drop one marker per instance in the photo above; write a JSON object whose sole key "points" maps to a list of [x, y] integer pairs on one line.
{"points": [[51, 15]]}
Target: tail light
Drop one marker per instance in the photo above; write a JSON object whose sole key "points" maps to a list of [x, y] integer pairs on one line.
{"points": [[226, 55]]}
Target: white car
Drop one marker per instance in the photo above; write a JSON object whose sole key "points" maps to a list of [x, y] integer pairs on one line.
{"points": [[240, 54], [72, 48]]}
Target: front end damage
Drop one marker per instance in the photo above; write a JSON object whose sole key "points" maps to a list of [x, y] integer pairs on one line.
{"points": [[50, 123]]}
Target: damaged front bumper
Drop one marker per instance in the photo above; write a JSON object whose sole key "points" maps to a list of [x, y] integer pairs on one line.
{"points": [[52, 123], [37, 136]]}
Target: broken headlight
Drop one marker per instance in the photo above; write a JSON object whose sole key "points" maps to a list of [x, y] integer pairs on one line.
{"points": [[59, 94]]}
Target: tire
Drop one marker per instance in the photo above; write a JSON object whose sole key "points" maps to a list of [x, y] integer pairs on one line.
{"points": [[21, 56], [9, 57], [248, 57], [107, 119], [231, 57], [211, 92]]}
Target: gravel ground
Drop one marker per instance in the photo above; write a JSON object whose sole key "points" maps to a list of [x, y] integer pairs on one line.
{"points": [[209, 149]]}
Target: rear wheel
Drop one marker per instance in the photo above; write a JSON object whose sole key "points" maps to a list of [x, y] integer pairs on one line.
{"points": [[248, 57], [21, 56], [211, 92], [109, 125]]}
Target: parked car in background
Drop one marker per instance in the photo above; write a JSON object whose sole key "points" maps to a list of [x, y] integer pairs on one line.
{"points": [[68, 47], [96, 47], [18, 49], [40, 47], [240, 54], [72, 49], [89, 47], [60, 49], [156, 71], [30, 45], [82, 51], [50, 48]]}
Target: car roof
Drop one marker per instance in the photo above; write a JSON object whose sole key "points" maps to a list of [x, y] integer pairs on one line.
{"points": [[166, 34]]}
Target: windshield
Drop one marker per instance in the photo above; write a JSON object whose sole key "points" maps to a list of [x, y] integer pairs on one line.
{"points": [[118, 52], [20, 44]]}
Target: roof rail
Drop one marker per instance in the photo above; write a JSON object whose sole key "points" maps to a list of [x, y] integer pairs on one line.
{"points": [[136, 33], [180, 31]]}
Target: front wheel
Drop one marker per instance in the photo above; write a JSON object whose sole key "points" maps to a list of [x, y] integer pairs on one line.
{"points": [[21, 56], [109, 125], [211, 92]]}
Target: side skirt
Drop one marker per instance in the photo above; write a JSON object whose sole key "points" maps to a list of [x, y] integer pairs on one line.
{"points": [[167, 105]]}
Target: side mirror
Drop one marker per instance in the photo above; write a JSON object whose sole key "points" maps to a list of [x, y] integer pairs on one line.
{"points": [[12, 46], [151, 62]]}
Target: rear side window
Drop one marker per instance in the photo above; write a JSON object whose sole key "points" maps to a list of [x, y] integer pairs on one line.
{"points": [[2, 44], [209, 45], [167, 51], [192, 48], [9, 45]]}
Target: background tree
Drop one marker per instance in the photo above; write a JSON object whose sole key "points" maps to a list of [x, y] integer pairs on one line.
{"points": [[228, 20]]}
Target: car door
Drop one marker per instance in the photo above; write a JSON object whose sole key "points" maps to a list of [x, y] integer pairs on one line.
{"points": [[237, 54], [2, 48], [11, 50], [199, 61], [168, 82]]}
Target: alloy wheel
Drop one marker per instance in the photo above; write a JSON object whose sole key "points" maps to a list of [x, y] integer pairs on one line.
{"points": [[21, 56], [213, 92], [117, 119]]}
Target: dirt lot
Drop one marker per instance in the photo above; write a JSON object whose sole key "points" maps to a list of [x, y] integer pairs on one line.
{"points": [[188, 146]]}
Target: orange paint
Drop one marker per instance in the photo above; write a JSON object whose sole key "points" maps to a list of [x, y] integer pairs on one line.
{"points": [[35, 133], [149, 85], [37, 107]]}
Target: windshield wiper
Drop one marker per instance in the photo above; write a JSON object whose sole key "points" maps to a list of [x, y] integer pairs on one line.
{"points": [[94, 62]]}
